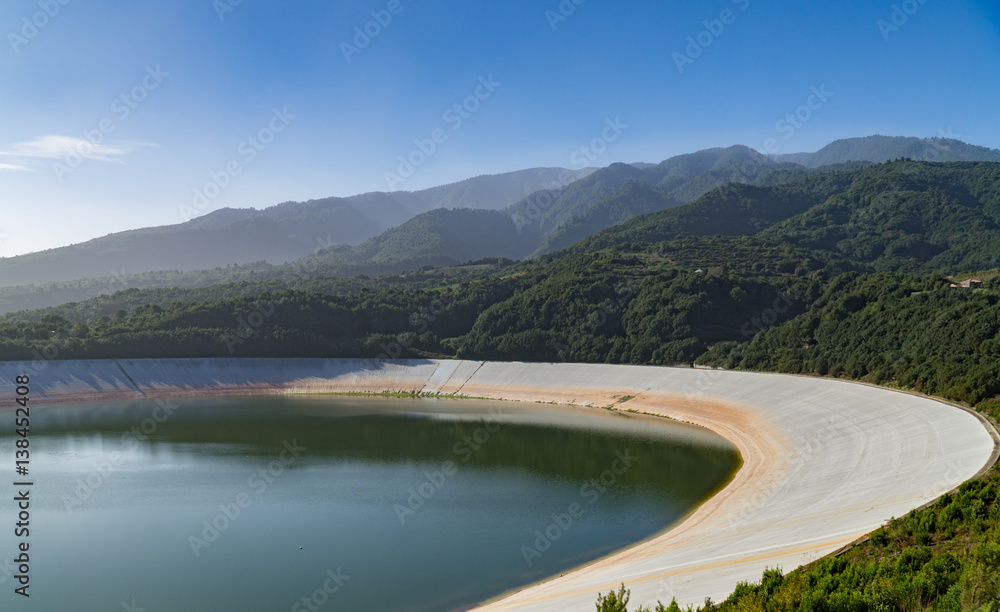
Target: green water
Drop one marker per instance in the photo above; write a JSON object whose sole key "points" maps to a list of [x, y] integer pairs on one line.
{"points": [[349, 503]]}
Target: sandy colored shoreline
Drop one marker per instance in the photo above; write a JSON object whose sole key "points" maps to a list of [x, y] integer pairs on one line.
{"points": [[824, 461]]}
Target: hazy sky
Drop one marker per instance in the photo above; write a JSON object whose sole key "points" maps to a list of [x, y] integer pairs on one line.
{"points": [[115, 112]]}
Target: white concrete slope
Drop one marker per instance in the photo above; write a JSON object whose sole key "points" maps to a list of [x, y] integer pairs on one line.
{"points": [[824, 461]]}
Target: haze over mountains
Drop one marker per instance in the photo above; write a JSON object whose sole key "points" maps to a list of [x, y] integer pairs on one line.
{"points": [[382, 233], [285, 232]]}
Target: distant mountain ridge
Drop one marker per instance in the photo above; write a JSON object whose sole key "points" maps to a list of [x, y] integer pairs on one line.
{"points": [[621, 191], [441, 237], [552, 219], [281, 233], [583, 202], [887, 148]]}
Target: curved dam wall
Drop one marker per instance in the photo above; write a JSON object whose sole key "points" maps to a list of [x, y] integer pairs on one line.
{"points": [[825, 461]]}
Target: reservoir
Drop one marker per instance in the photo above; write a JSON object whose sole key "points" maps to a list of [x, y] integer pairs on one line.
{"points": [[278, 503]]}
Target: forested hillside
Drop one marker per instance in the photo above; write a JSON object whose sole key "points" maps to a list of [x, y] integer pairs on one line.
{"points": [[619, 192], [903, 216]]}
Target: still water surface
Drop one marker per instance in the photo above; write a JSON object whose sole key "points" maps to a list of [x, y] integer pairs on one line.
{"points": [[348, 503]]}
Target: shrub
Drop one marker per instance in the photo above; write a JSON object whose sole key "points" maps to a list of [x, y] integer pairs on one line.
{"points": [[614, 602]]}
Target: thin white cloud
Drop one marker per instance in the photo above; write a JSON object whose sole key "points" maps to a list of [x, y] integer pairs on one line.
{"points": [[14, 168], [62, 147]]}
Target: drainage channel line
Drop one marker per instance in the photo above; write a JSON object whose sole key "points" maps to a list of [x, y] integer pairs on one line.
{"points": [[134, 385]]}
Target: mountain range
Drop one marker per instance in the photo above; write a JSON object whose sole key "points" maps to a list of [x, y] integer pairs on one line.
{"points": [[525, 214], [884, 148], [281, 233]]}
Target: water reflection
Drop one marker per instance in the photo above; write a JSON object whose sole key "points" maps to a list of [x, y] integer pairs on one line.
{"points": [[426, 504]]}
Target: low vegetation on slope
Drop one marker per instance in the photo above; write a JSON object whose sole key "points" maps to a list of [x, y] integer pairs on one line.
{"points": [[944, 558], [911, 332]]}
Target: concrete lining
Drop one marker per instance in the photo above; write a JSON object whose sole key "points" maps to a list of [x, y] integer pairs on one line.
{"points": [[825, 461]]}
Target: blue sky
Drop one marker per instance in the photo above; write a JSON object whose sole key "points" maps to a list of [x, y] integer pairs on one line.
{"points": [[253, 103]]}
